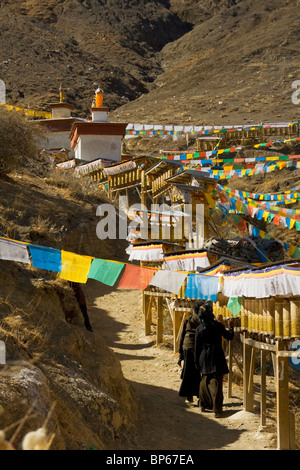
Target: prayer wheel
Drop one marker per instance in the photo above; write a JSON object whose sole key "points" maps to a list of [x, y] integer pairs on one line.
{"points": [[227, 313], [279, 319], [216, 308], [257, 308], [262, 316], [250, 314], [253, 307], [286, 319], [270, 317], [295, 318], [244, 315]]}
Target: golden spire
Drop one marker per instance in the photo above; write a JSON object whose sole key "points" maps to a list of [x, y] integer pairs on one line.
{"points": [[61, 94], [99, 98]]}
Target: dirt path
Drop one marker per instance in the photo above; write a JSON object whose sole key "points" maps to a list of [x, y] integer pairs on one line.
{"points": [[166, 422]]}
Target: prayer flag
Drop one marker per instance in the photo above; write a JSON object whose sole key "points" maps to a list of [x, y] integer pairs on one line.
{"points": [[105, 271], [202, 287], [75, 267], [135, 277], [14, 251], [234, 305], [45, 258], [168, 280]]}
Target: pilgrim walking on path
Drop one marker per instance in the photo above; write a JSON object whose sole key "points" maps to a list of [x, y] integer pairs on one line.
{"points": [[210, 359], [190, 375]]}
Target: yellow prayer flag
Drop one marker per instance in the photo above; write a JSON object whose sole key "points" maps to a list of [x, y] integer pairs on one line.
{"points": [[265, 215], [239, 206], [75, 267], [291, 250], [210, 200]]}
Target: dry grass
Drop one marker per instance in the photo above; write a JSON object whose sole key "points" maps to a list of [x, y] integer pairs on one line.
{"points": [[44, 226], [76, 188], [18, 140]]}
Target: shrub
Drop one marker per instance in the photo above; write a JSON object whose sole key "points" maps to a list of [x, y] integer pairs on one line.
{"points": [[18, 140]]}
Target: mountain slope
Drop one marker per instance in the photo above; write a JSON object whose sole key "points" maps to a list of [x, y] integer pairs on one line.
{"points": [[216, 62], [81, 44], [236, 66]]}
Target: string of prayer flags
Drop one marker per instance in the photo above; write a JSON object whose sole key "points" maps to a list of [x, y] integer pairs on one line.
{"points": [[168, 280], [46, 258], [75, 267], [105, 271], [135, 277], [14, 251], [202, 287]]}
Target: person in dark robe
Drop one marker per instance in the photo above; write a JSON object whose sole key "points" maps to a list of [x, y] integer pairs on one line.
{"points": [[190, 376], [80, 297], [210, 359]]}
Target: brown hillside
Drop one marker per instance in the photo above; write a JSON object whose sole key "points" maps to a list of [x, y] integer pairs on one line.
{"points": [[218, 62], [81, 44], [236, 66]]}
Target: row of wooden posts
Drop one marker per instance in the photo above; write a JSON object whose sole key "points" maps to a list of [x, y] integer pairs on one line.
{"points": [[254, 341]]}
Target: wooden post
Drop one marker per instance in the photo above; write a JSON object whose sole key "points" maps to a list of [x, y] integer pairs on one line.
{"points": [[250, 380], [263, 387], [248, 364], [282, 394], [178, 321], [160, 316], [143, 188], [176, 328], [147, 300], [229, 385]]}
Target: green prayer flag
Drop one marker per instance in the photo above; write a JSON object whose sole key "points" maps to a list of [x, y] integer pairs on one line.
{"points": [[296, 253], [234, 305], [105, 271]]}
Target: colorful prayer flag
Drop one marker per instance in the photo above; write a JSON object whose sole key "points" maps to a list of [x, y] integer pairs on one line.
{"points": [[45, 258], [105, 271], [135, 277], [202, 287], [75, 267], [234, 305], [14, 251], [170, 281]]}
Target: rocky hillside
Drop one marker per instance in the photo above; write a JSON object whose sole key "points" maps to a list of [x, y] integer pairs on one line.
{"points": [[216, 62], [235, 66], [52, 360], [81, 44]]}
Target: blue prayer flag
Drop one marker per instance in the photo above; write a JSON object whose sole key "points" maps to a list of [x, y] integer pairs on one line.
{"points": [[202, 287], [44, 257]]}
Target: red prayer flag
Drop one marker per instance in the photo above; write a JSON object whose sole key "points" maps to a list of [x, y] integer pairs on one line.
{"points": [[135, 277]]}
